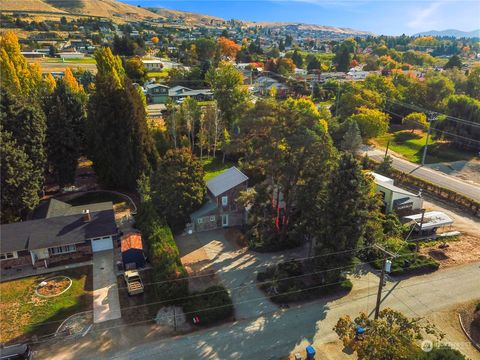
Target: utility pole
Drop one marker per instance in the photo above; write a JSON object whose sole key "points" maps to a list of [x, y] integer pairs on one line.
{"points": [[386, 150], [432, 117], [382, 278]]}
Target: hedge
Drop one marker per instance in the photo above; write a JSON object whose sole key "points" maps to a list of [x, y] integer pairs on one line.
{"points": [[168, 272], [211, 305]]}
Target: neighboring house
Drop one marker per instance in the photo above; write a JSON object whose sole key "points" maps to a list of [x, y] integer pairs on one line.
{"points": [[332, 75], [65, 234], [152, 65], [395, 198], [222, 209], [199, 95], [33, 54], [133, 255], [156, 93]]}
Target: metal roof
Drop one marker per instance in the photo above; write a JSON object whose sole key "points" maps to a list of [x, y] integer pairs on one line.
{"points": [[226, 181], [431, 220], [396, 189]]}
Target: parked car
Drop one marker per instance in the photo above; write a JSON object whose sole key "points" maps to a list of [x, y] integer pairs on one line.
{"points": [[134, 282], [16, 352]]}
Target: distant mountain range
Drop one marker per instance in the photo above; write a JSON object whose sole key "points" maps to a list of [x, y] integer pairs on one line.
{"points": [[121, 12], [451, 32]]}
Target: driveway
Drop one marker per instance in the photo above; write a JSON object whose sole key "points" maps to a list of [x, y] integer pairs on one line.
{"points": [[237, 267], [106, 304]]}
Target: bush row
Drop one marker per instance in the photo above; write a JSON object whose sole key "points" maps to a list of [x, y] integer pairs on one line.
{"points": [[168, 272], [210, 306]]}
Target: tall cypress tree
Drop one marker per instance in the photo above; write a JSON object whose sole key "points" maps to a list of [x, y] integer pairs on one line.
{"points": [[66, 119], [345, 214], [119, 142]]}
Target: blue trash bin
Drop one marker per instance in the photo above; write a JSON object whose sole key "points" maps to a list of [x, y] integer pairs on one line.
{"points": [[310, 352]]}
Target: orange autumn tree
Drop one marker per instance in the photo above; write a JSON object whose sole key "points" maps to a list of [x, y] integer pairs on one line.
{"points": [[228, 48]]}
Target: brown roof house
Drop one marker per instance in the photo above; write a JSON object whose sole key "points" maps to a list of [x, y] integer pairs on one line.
{"points": [[221, 209], [65, 234]]}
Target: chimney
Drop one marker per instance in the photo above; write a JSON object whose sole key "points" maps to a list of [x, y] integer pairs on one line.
{"points": [[86, 215]]}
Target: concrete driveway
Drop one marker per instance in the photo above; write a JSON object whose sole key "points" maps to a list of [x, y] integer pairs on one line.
{"points": [[106, 304], [237, 270]]}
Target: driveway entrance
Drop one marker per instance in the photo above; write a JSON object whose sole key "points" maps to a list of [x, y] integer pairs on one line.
{"points": [[106, 305]]}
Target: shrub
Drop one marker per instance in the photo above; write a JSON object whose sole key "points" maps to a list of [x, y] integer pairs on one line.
{"points": [[168, 272], [346, 285], [211, 305], [477, 307], [442, 353]]}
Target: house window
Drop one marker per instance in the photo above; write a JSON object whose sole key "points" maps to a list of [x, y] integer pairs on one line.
{"points": [[200, 221], [212, 218], [8, 255], [62, 249], [224, 200]]}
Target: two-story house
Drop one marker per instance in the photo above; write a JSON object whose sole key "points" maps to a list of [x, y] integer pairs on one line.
{"points": [[221, 208]]}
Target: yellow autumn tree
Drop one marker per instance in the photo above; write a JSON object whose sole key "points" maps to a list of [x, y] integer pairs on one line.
{"points": [[50, 83], [71, 81], [15, 72], [109, 67], [155, 40]]}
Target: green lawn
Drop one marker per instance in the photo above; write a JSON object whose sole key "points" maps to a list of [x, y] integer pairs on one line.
{"points": [[23, 313], [85, 60], [157, 74], [214, 167], [410, 145]]}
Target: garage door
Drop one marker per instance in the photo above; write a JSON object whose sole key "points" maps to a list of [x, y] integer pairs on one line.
{"points": [[101, 244]]}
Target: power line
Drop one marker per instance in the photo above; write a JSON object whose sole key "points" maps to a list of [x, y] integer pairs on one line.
{"points": [[342, 303], [286, 293]]}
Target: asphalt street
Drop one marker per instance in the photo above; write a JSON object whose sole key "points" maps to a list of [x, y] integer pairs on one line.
{"points": [[436, 177]]}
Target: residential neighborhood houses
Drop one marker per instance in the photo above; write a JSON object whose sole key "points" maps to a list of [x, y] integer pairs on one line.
{"points": [[177, 185]]}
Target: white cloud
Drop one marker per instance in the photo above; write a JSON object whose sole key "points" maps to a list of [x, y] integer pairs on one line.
{"points": [[424, 18]]}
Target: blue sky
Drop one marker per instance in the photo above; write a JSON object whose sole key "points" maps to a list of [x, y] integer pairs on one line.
{"points": [[389, 17]]}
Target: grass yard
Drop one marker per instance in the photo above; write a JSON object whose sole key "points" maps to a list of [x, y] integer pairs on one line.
{"points": [[411, 145], [214, 167], [85, 60], [23, 313], [157, 74]]}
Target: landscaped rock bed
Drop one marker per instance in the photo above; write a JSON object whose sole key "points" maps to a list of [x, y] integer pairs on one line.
{"points": [[76, 324], [54, 286]]}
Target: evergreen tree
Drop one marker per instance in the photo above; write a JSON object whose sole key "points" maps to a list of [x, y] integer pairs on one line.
{"points": [[66, 120], [120, 144], [178, 187], [27, 125], [385, 167], [20, 187], [297, 59], [351, 139], [454, 61], [345, 213]]}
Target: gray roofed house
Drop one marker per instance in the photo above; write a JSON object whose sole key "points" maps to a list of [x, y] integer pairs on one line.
{"points": [[225, 181], [221, 208], [66, 233]]}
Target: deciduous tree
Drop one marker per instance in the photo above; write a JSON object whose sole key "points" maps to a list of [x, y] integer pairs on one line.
{"points": [[372, 122]]}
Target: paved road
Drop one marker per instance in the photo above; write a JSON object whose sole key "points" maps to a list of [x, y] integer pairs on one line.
{"points": [[278, 333], [237, 268], [433, 176]]}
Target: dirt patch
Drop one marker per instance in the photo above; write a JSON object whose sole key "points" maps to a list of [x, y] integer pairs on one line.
{"points": [[466, 248], [54, 286], [195, 259], [471, 320], [447, 321], [465, 170]]}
